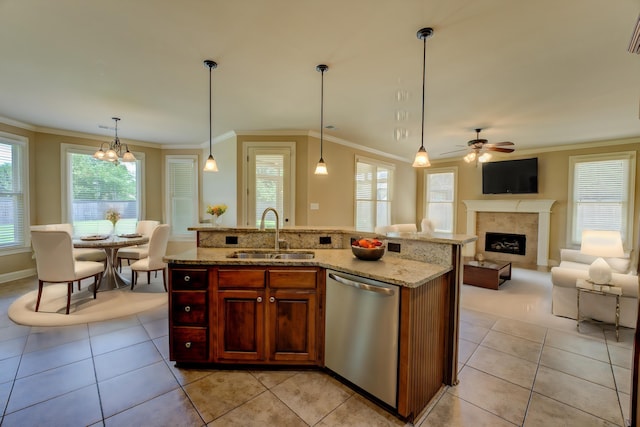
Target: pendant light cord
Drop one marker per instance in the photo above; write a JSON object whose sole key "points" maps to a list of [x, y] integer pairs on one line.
{"points": [[210, 110], [424, 71], [321, 109]]}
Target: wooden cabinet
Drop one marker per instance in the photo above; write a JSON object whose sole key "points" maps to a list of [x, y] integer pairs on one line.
{"points": [[189, 315], [246, 314]]}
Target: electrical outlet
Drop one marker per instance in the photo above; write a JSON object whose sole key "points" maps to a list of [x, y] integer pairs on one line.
{"points": [[393, 247], [231, 240], [325, 240], [314, 206]]}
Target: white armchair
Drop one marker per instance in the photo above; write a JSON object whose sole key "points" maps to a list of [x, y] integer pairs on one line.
{"points": [[575, 265]]}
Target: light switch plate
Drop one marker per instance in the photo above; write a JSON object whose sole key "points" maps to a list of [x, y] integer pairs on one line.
{"points": [[314, 206]]}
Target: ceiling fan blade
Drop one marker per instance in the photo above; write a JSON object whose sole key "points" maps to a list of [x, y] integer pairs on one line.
{"points": [[496, 144], [499, 149], [454, 151]]}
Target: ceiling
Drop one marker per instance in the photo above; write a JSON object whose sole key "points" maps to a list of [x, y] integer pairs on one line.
{"points": [[539, 73]]}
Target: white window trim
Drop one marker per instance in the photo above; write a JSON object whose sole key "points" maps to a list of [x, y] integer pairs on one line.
{"points": [[390, 189], [454, 170], [628, 238], [189, 236], [246, 145], [24, 143], [65, 177]]}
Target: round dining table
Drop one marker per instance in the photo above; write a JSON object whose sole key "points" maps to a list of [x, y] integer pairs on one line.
{"points": [[111, 279]]}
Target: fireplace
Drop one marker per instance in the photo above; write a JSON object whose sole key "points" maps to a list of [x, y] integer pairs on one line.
{"points": [[506, 243]]}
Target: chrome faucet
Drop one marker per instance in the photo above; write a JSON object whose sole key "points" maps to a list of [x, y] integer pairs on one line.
{"points": [[277, 244]]}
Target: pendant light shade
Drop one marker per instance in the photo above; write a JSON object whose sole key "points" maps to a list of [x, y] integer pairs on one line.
{"points": [[210, 165], [422, 157], [321, 167]]}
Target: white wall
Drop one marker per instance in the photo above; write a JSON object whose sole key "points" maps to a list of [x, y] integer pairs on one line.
{"points": [[221, 187]]}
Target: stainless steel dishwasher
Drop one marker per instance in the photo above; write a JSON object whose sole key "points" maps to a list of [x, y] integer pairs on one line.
{"points": [[361, 334]]}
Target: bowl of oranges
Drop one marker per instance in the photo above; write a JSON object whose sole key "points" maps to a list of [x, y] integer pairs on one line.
{"points": [[368, 249]]}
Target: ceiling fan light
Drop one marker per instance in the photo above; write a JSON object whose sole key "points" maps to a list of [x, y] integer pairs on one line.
{"points": [[321, 168], [484, 158], [470, 157], [422, 159], [211, 165]]}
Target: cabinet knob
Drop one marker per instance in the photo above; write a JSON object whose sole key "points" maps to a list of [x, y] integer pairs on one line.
{"points": [[187, 344], [187, 309], [272, 299], [187, 278], [259, 299]]}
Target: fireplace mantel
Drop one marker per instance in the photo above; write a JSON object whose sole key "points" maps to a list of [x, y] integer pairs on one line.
{"points": [[541, 207]]}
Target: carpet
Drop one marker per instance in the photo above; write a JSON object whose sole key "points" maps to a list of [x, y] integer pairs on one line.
{"points": [[83, 308]]}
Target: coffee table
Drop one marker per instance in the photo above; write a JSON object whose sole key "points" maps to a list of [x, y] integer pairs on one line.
{"points": [[486, 274]]}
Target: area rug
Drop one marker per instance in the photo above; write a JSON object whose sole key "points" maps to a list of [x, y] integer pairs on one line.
{"points": [[84, 309]]}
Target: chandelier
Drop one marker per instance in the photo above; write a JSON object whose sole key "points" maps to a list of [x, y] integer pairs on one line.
{"points": [[115, 151]]}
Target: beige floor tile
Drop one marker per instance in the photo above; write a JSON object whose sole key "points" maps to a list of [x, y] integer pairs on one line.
{"points": [[12, 347], [264, 410], [54, 357], [118, 362], [9, 369], [187, 375], [77, 408], [627, 336], [312, 395], [10, 331], [625, 405], [478, 318], [500, 397], [589, 347], [623, 379], [162, 344], [49, 384], [125, 391], [230, 388], [170, 409], [581, 394], [115, 340], [548, 412], [579, 366], [453, 411], [5, 390], [503, 365], [161, 312], [473, 333], [44, 337], [111, 325], [270, 379], [465, 350], [621, 356], [157, 328], [520, 329], [358, 411], [515, 346]]}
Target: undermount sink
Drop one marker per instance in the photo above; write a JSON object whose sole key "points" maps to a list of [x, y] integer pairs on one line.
{"points": [[251, 254]]}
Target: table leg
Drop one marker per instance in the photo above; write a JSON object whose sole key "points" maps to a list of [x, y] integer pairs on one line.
{"points": [[112, 279], [578, 313], [617, 317]]}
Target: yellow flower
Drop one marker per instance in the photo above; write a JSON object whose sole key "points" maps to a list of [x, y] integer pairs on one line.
{"points": [[217, 210], [112, 215]]}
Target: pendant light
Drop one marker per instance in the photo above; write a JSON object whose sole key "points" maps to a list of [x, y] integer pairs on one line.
{"points": [[422, 158], [321, 167], [210, 165], [115, 150]]}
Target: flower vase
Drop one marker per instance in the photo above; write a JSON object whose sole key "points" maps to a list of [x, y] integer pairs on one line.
{"points": [[113, 230], [217, 220]]}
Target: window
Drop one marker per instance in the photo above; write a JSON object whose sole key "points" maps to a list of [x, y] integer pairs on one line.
{"points": [[440, 196], [182, 186], [374, 183], [14, 220], [95, 186], [601, 193]]}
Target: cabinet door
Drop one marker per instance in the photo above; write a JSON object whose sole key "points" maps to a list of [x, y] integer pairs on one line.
{"points": [[292, 325], [240, 332]]}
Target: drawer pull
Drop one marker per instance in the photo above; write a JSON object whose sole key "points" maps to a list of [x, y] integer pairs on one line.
{"points": [[272, 299], [187, 309], [259, 299], [187, 278], [187, 344]]}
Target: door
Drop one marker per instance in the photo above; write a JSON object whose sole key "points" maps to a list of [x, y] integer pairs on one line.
{"points": [[270, 182], [292, 325], [241, 315]]}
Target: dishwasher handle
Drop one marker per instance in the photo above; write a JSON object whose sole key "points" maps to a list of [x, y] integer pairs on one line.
{"points": [[363, 286]]}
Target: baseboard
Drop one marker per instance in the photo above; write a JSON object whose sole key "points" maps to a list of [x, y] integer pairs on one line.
{"points": [[16, 275]]}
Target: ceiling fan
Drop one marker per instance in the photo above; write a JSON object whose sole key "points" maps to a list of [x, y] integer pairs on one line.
{"points": [[479, 149]]}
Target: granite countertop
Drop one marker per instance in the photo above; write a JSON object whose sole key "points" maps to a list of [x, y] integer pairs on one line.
{"points": [[390, 269]]}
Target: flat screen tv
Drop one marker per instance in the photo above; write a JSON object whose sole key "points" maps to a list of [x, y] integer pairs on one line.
{"points": [[510, 177]]}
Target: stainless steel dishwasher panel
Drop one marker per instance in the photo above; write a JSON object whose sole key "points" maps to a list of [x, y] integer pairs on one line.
{"points": [[361, 335]]}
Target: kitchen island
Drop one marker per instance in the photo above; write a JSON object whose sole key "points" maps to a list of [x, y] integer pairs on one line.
{"points": [[228, 311]]}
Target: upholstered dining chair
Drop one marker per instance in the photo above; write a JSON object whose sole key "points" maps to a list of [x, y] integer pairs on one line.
{"points": [[145, 228], [157, 248], [79, 254], [55, 262]]}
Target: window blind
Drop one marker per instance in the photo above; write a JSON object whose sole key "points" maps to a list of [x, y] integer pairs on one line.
{"points": [[269, 187], [373, 183], [12, 195], [440, 195], [183, 192]]}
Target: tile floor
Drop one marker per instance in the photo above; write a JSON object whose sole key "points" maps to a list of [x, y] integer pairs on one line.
{"points": [[515, 369]]}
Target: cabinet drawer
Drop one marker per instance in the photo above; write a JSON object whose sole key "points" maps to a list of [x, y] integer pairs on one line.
{"points": [[189, 344], [292, 279], [189, 279], [189, 308], [241, 278]]}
